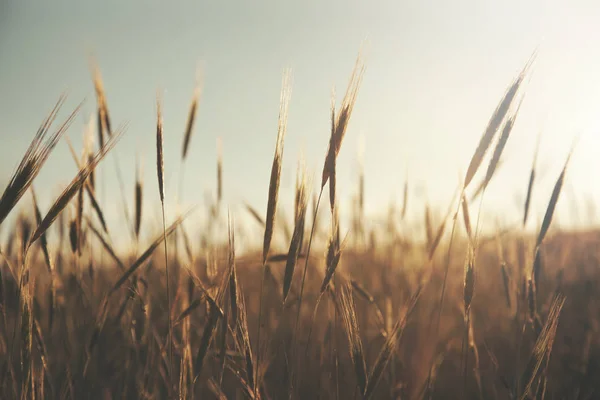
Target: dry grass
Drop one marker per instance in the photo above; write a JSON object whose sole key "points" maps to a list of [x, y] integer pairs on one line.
{"points": [[395, 311]]}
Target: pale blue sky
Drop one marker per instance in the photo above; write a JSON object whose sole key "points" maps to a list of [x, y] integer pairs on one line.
{"points": [[435, 72]]}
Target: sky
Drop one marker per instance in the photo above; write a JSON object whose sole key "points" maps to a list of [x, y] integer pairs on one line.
{"points": [[435, 72]]}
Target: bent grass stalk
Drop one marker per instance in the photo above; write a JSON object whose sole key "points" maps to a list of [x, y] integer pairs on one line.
{"points": [[486, 139]]}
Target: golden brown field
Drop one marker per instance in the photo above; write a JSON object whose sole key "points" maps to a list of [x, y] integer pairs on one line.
{"points": [[440, 311]]}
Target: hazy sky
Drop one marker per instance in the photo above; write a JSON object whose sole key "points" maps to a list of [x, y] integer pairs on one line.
{"points": [[435, 72]]}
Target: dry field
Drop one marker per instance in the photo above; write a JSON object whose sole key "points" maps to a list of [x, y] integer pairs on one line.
{"points": [[375, 311]]}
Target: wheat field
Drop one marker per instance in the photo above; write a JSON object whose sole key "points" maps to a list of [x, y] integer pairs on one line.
{"points": [[371, 310]]}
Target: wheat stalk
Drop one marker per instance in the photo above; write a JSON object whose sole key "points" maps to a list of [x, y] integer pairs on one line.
{"points": [[552, 203], [340, 123], [296, 242], [214, 314], [531, 181], [276, 167], [36, 155], [273, 192], [502, 140], [89, 187], [160, 172], [545, 341], [148, 252], [139, 185], [72, 189], [495, 123], [349, 319], [191, 117]]}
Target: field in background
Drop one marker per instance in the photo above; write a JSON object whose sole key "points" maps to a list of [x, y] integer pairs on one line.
{"points": [[376, 312]]}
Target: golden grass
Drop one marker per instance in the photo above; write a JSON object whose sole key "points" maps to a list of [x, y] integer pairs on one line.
{"points": [[386, 314]]}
